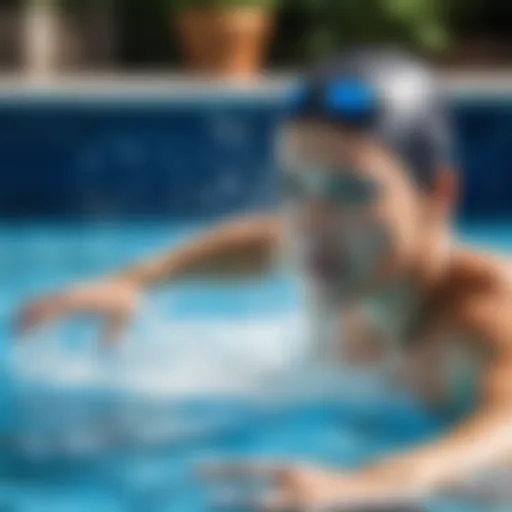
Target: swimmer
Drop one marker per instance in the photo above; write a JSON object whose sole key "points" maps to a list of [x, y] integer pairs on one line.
{"points": [[369, 186]]}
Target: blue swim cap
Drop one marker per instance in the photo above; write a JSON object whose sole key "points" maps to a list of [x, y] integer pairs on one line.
{"points": [[389, 93]]}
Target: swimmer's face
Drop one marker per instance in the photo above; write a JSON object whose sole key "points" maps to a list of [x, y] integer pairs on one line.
{"points": [[356, 216]]}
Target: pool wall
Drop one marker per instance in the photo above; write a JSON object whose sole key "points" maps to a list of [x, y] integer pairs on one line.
{"points": [[184, 153]]}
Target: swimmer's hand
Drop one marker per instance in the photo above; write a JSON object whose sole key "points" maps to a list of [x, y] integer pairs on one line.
{"points": [[114, 301], [295, 487]]}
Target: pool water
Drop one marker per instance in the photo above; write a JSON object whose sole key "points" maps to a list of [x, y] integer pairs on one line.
{"points": [[200, 375]]}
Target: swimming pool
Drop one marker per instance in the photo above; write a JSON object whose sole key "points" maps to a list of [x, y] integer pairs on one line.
{"points": [[83, 430]]}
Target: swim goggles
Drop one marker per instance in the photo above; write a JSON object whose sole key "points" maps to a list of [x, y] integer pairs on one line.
{"points": [[348, 101], [334, 186]]}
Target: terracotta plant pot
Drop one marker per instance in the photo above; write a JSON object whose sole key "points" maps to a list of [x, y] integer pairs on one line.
{"points": [[226, 42]]}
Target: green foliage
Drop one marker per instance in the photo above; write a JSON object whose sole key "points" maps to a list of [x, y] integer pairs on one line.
{"points": [[182, 5], [312, 28], [305, 29], [425, 19]]}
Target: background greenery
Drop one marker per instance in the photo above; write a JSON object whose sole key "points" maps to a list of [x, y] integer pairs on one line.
{"points": [[309, 29], [306, 29]]}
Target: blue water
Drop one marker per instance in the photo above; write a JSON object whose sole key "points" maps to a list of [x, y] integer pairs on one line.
{"points": [[85, 430]]}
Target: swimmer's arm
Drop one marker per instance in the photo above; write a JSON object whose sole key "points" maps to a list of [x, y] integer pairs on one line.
{"points": [[477, 443], [238, 248], [484, 439]]}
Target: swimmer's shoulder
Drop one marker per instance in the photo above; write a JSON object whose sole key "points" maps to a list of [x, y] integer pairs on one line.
{"points": [[475, 296], [479, 273]]}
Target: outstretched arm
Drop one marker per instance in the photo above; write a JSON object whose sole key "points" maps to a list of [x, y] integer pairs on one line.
{"points": [[484, 439], [478, 443], [233, 249]]}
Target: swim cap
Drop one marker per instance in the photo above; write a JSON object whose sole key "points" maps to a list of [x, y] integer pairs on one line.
{"points": [[388, 93]]}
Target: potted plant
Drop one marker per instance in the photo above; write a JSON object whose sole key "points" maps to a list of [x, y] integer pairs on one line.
{"points": [[224, 37]]}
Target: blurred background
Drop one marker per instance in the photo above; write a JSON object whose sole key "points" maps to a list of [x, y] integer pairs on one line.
{"points": [[128, 126], [141, 84], [64, 36]]}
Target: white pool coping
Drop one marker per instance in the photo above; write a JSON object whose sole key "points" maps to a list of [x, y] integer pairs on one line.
{"points": [[178, 86]]}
